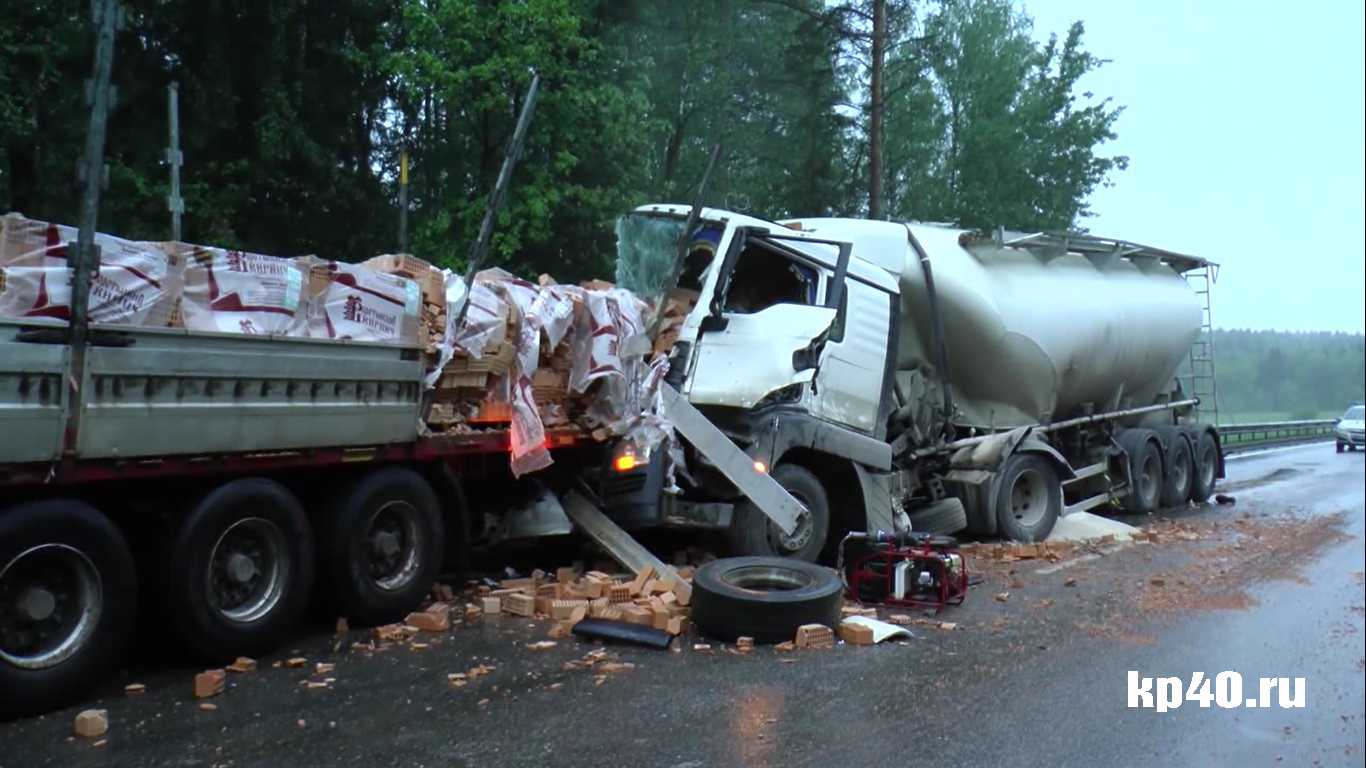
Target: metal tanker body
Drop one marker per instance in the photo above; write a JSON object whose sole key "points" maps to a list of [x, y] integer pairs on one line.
{"points": [[1038, 335], [1037, 328]]}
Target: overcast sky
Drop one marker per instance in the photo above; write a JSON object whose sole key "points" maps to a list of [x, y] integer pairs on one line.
{"points": [[1244, 129]]}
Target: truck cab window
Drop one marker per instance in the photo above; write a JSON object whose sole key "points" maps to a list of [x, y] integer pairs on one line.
{"points": [[764, 277]]}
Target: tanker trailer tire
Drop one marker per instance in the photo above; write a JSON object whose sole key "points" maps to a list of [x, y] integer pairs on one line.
{"points": [[380, 546], [752, 533], [1028, 499], [1178, 479], [1146, 475], [1206, 465], [239, 571], [68, 590], [765, 598], [943, 516]]}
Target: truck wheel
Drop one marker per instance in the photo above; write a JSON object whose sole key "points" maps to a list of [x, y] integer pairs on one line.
{"points": [[240, 570], [1146, 477], [1180, 472], [752, 533], [67, 599], [1029, 499], [943, 516], [1339, 446], [381, 543], [765, 598], [1206, 465]]}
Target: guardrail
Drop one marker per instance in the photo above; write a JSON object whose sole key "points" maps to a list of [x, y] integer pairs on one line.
{"points": [[1275, 433]]}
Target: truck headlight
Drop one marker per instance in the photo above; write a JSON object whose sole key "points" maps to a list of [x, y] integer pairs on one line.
{"points": [[628, 455]]}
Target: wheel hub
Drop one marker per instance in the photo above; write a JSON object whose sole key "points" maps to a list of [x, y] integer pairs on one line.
{"points": [[241, 568], [394, 546], [386, 544], [37, 604], [248, 570], [800, 535], [50, 602]]}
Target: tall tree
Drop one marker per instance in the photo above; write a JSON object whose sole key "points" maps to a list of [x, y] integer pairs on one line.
{"points": [[1014, 148]]}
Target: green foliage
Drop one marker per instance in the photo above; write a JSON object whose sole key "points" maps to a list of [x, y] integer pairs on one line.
{"points": [[1275, 375], [293, 114], [985, 127]]}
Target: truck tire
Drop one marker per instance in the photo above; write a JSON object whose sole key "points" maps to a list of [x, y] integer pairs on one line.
{"points": [[943, 516], [1178, 477], [240, 570], [68, 595], [1146, 477], [380, 546], [1028, 499], [1205, 462], [765, 598], [753, 534]]}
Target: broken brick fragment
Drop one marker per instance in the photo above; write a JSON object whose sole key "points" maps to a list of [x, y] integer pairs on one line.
{"points": [[430, 622], [815, 636], [209, 683], [242, 665], [92, 723], [519, 604]]}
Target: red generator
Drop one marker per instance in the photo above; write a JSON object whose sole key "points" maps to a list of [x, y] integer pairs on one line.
{"points": [[921, 570]]}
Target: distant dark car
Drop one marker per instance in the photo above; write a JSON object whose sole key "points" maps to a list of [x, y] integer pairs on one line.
{"points": [[1351, 430]]}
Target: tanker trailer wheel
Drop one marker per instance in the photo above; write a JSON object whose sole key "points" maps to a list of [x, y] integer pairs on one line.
{"points": [[752, 533], [1028, 499], [68, 592], [1146, 477], [240, 569], [380, 545], [1180, 471], [1206, 465], [944, 516]]}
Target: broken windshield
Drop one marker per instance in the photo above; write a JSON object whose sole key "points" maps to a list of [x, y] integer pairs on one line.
{"points": [[647, 245]]}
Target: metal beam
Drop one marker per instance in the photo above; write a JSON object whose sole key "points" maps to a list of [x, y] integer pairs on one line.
{"points": [[738, 467], [619, 544]]}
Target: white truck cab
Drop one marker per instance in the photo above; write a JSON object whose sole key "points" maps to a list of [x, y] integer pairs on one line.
{"points": [[1036, 379]]}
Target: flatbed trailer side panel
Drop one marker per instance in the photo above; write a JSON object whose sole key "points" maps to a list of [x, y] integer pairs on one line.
{"points": [[430, 449]]}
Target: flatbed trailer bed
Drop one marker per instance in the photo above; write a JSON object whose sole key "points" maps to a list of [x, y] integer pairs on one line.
{"points": [[217, 484]]}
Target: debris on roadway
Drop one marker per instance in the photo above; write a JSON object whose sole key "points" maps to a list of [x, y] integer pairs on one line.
{"points": [[92, 723]]}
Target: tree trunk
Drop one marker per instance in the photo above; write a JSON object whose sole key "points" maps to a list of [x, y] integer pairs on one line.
{"points": [[875, 176]]}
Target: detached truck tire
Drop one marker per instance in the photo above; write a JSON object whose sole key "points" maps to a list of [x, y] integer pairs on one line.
{"points": [[68, 579], [765, 598]]}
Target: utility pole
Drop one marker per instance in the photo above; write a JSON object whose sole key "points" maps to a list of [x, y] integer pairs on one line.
{"points": [[403, 199], [174, 203], [875, 115], [84, 256]]}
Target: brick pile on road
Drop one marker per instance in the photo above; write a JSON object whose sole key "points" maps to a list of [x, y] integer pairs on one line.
{"points": [[565, 597]]}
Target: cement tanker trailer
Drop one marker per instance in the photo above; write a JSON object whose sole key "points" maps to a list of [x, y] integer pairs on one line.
{"points": [[893, 376]]}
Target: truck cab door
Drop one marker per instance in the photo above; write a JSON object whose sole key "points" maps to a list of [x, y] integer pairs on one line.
{"points": [[765, 330]]}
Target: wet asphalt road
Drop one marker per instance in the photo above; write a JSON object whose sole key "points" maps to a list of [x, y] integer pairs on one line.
{"points": [[1036, 679]]}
